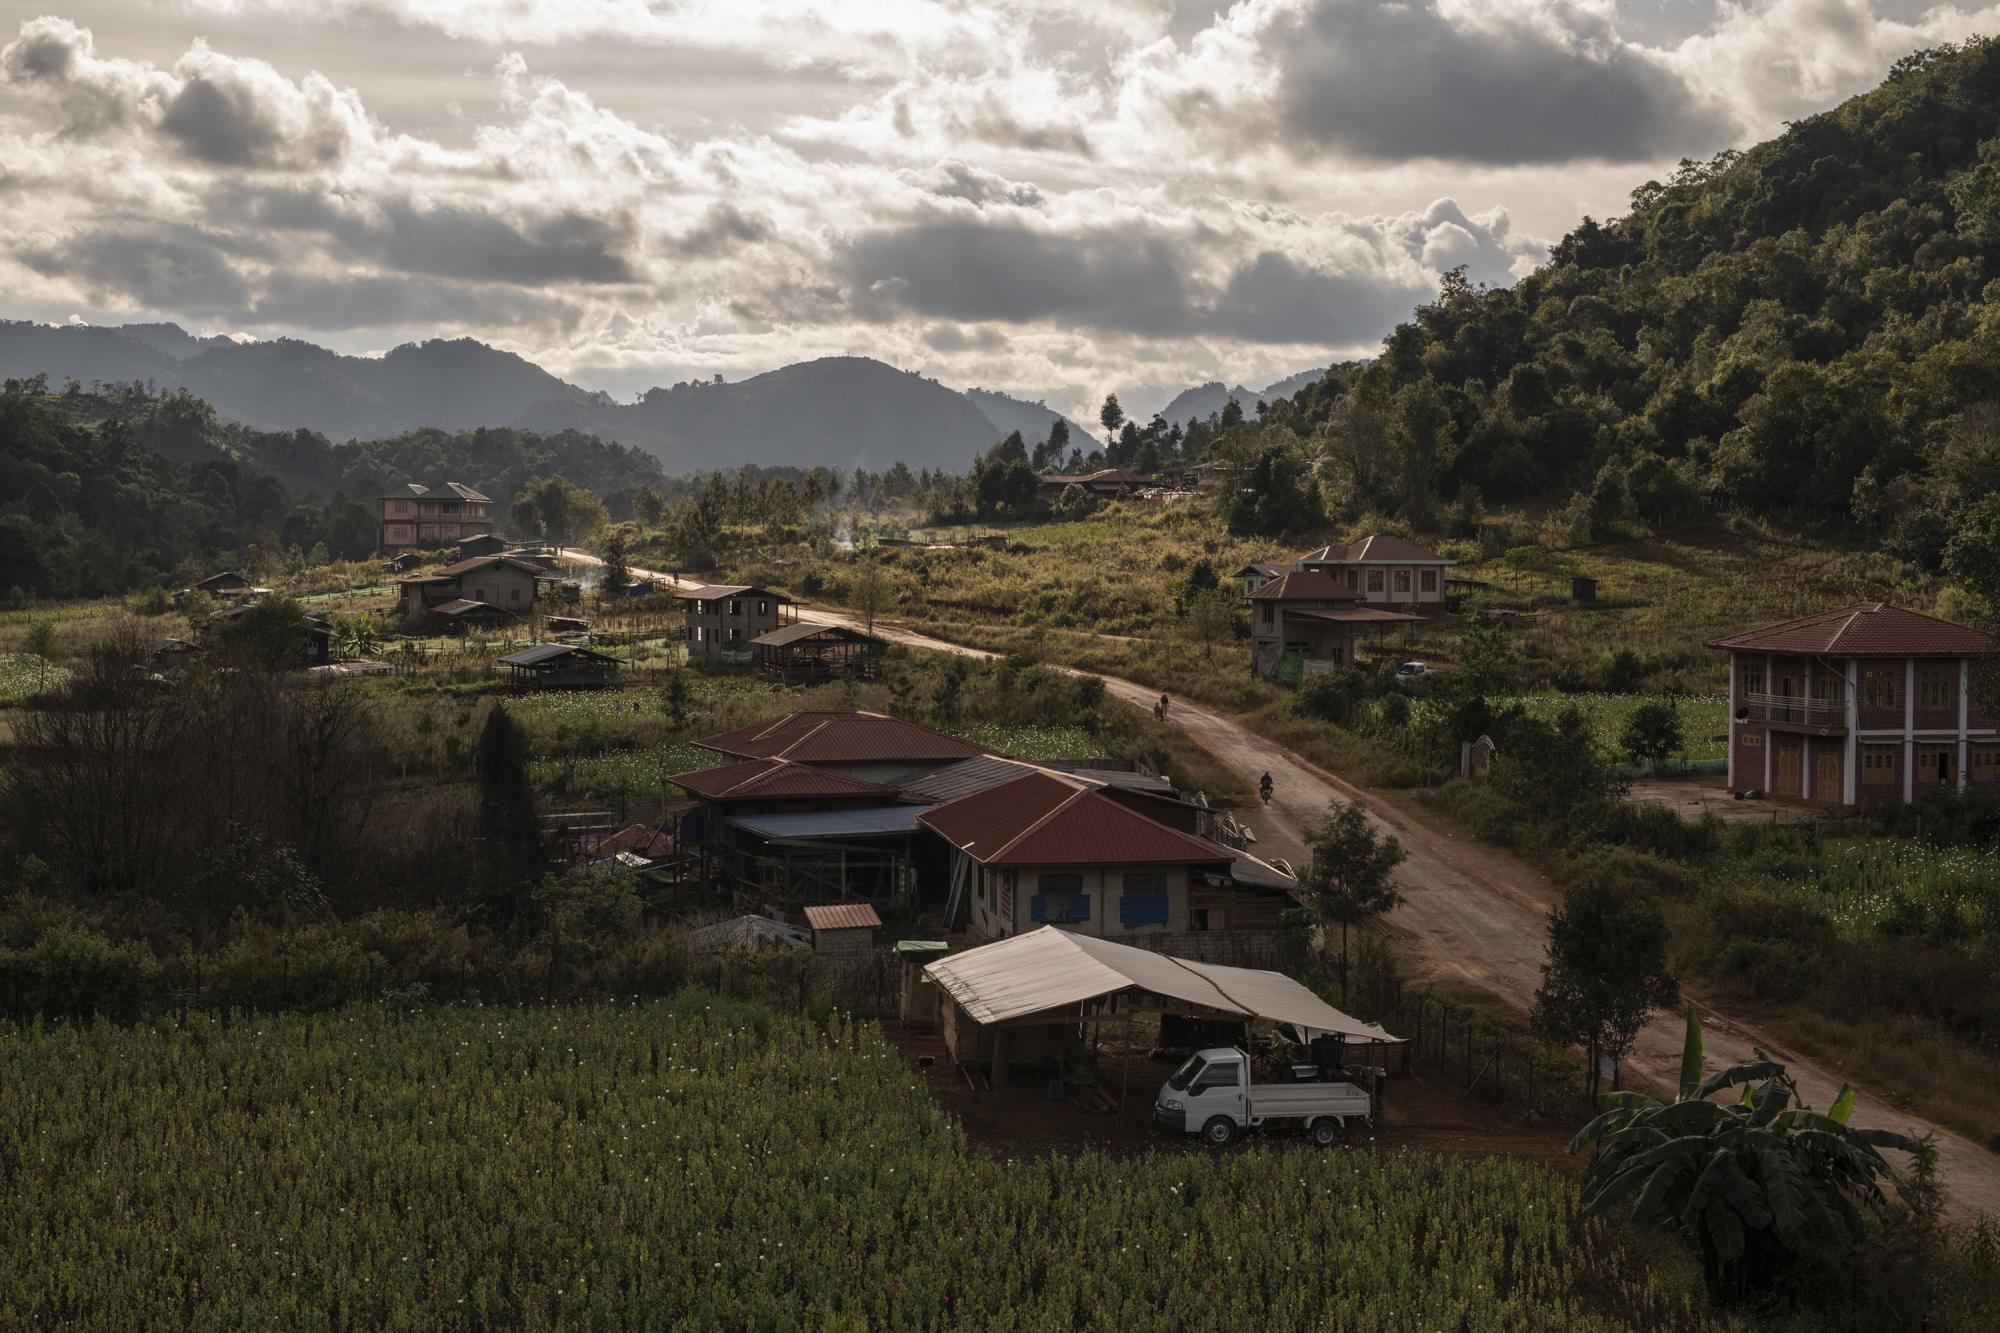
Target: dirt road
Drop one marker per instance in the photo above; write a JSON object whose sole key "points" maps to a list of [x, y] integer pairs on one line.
{"points": [[1478, 914]]}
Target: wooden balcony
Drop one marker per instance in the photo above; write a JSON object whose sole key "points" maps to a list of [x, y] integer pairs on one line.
{"points": [[1824, 715]]}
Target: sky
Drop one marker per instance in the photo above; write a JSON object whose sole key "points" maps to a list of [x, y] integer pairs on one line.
{"points": [[1051, 198]]}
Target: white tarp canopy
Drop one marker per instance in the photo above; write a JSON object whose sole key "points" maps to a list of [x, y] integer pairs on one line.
{"points": [[1053, 969]]}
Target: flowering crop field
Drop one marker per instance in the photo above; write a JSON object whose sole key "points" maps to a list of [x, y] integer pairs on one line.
{"points": [[1025, 742], [672, 1165], [23, 674], [1872, 882]]}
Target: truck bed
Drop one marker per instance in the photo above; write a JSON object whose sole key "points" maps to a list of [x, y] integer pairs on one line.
{"points": [[1305, 1100]]}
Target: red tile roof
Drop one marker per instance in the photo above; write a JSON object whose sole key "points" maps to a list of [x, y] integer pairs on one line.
{"points": [[1044, 820], [843, 916], [1867, 629], [762, 779], [840, 736], [1378, 548], [1303, 585]]}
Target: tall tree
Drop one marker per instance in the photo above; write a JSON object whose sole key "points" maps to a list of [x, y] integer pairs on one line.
{"points": [[616, 574], [1607, 971], [1111, 416], [509, 824], [1351, 877]]}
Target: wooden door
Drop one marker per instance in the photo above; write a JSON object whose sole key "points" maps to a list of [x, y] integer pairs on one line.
{"points": [[1826, 775], [1789, 766]]}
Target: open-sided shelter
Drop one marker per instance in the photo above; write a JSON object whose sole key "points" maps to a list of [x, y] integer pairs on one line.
{"points": [[806, 651], [561, 666]]}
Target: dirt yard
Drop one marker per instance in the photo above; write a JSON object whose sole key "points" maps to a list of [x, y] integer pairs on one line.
{"points": [[1693, 798]]}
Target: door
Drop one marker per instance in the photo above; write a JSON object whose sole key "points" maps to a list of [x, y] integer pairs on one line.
{"points": [[1217, 1090], [1788, 771], [1826, 774], [1791, 686]]}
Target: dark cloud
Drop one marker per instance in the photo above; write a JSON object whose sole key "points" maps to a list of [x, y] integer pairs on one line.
{"points": [[1392, 81], [343, 301], [722, 229], [1276, 299], [222, 122], [1129, 279], [157, 266]]}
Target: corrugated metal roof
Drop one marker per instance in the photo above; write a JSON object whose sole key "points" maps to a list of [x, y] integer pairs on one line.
{"points": [[966, 777], [871, 822], [1868, 629], [1356, 615], [481, 562], [807, 629], [758, 778], [713, 591], [450, 490], [1302, 585], [1052, 968], [843, 916], [549, 652], [840, 736], [1377, 549], [1046, 820], [746, 934]]}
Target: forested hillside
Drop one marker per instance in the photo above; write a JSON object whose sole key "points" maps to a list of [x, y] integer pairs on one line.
{"points": [[1809, 330], [108, 491]]}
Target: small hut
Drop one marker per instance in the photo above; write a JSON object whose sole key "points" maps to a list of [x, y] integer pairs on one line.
{"points": [[807, 652], [485, 543], [916, 994], [561, 666], [843, 929]]}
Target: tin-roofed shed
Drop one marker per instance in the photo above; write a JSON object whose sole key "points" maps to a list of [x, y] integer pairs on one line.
{"points": [[806, 652], [561, 666], [843, 929]]}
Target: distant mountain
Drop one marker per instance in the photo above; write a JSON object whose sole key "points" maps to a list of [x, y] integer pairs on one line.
{"points": [[839, 411], [1206, 400], [1008, 414]]}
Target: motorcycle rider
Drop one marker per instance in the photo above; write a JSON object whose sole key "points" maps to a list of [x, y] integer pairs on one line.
{"points": [[1264, 788]]}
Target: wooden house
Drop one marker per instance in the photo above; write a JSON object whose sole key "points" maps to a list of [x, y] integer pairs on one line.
{"points": [[484, 543], [561, 666], [805, 652], [500, 583], [724, 619], [228, 583], [1865, 705]]}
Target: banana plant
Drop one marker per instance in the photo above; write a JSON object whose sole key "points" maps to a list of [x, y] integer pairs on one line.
{"points": [[1759, 1184]]}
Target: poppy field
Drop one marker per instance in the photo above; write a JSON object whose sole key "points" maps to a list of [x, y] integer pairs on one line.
{"points": [[701, 1164]]}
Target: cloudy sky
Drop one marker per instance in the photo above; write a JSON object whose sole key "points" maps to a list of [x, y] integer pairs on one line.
{"points": [[996, 192]]}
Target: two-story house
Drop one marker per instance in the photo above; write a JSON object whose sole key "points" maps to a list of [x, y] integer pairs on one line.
{"points": [[1384, 571], [418, 515], [1307, 615], [1865, 705], [484, 592], [723, 620]]}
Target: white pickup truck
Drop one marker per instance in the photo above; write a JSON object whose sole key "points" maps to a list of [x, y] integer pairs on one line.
{"points": [[1212, 1095]]}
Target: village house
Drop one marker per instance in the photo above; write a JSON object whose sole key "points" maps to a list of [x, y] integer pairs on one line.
{"points": [[1046, 849], [1256, 575], [723, 620], [488, 589], [1865, 705], [1104, 484], [485, 543], [1305, 615], [228, 584], [1384, 571], [870, 746], [419, 515], [774, 830]]}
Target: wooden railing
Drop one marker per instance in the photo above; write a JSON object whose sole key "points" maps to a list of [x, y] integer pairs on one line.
{"points": [[1795, 709]]}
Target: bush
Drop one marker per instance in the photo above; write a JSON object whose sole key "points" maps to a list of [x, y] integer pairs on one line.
{"points": [[70, 970]]}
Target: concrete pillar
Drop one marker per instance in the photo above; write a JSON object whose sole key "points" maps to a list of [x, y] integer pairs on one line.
{"points": [[1851, 752], [1964, 714], [1734, 693], [1909, 728]]}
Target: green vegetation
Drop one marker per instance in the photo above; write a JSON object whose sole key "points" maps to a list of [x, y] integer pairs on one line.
{"points": [[703, 1164]]}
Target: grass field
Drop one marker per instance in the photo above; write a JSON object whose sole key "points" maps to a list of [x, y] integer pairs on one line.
{"points": [[702, 1165], [1704, 718]]}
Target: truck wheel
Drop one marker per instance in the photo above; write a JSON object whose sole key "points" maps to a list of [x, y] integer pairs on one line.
{"points": [[1219, 1130], [1324, 1132]]}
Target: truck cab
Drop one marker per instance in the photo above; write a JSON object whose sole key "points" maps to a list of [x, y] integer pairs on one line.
{"points": [[1213, 1095]]}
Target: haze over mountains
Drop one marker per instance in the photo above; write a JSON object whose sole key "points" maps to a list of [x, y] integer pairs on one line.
{"points": [[838, 411], [1206, 400]]}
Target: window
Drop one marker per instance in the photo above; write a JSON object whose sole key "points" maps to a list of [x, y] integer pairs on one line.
{"points": [[1880, 687], [1878, 763], [736, 606], [1753, 677], [1402, 580], [1428, 580], [1984, 763], [1829, 688], [1937, 686], [514, 594], [1938, 764], [763, 608], [1269, 614], [1753, 740], [1221, 1074], [694, 634], [1374, 580], [736, 634], [1144, 901], [1198, 919], [1061, 901], [1353, 578]]}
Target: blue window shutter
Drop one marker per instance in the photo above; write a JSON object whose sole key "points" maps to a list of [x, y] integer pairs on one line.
{"points": [[1079, 909], [1035, 908], [1142, 909]]}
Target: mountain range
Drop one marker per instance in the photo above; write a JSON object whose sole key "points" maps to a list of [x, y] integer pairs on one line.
{"points": [[1206, 400], [844, 411]]}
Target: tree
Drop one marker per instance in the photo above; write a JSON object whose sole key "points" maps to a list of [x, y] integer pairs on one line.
{"points": [[1049, 453], [358, 635], [559, 510], [1653, 731], [1111, 416], [41, 643], [676, 696], [1211, 618], [616, 575], [1350, 879], [1488, 659], [870, 591], [268, 635], [508, 822], [1759, 1185], [1607, 971]]}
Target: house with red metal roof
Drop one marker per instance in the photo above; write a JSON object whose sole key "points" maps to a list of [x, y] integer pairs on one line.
{"points": [[1308, 617], [1864, 705], [871, 746], [1381, 570], [1046, 849], [730, 811]]}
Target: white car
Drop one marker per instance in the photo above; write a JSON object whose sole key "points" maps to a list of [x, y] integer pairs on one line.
{"points": [[1412, 671], [1212, 1095]]}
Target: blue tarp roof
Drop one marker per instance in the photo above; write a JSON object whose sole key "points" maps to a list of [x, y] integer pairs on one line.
{"points": [[879, 820]]}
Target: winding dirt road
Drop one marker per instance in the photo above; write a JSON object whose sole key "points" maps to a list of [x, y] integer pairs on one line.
{"points": [[1476, 914]]}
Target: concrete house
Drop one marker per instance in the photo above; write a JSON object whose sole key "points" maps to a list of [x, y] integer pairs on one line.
{"points": [[476, 591], [419, 515], [1865, 705], [724, 620], [1308, 616], [1384, 571]]}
